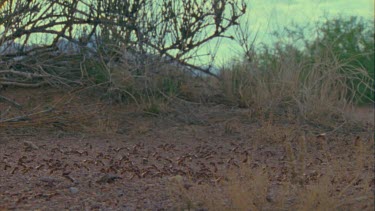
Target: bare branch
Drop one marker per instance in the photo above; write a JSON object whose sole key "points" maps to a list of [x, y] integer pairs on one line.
{"points": [[12, 102]]}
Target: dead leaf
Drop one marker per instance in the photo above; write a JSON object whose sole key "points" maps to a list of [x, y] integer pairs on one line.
{"points": [[108, 178]]}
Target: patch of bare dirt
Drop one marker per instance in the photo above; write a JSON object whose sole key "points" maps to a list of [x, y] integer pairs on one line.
{"points": [[363, 114], [126, 160]]}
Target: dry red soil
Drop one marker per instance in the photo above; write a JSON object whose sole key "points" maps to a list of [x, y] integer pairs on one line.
{"points": [[122, 159]]}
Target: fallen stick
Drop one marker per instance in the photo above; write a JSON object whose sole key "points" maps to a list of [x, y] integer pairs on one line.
{"points": [[25, 117], [12, 102]]}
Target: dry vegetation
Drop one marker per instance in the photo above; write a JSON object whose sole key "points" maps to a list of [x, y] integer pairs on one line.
{"points": [[317, 91], [294, 144], [187, 155], [300, 184], [174, 146], [128, 125]]}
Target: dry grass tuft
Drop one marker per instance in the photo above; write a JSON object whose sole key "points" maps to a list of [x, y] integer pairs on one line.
{"points": [[304, 178], [319, 91], [240, 190]]}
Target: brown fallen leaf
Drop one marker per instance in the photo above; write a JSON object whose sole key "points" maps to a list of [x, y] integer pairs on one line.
{"points": [[14, 170], [49, 179], [39, 166], [217, 180], [67, 176], [108, 178], [144, 174]]}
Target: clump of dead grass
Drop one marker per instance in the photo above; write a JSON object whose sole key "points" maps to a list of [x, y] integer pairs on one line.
{"points": [[313, 179], [239, 190], [318, 91]]}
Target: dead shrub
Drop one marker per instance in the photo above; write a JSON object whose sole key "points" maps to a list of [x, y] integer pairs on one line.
{"points": [[317, 91]]}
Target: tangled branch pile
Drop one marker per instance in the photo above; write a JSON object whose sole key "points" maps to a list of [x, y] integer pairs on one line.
{"points": [[55, 42]]}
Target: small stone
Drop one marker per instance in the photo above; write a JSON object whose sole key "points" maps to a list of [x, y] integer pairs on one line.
{"points": [[30, 145], [73, 190], [177, 179]]}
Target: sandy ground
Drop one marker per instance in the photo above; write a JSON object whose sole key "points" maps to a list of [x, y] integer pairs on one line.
{"points": [[129, 165]]}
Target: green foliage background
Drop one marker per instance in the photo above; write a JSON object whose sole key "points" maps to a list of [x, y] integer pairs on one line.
{"points": [[350, 40]]}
